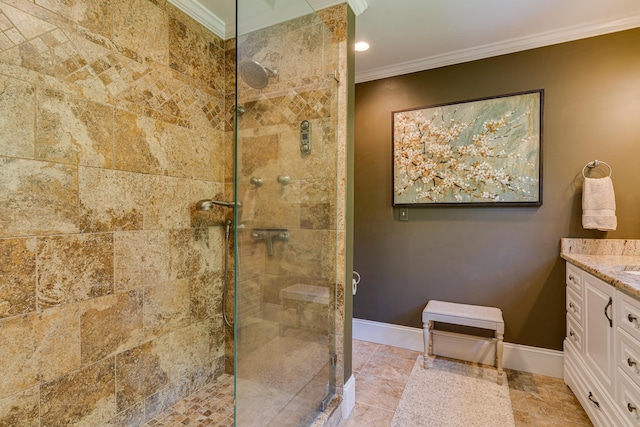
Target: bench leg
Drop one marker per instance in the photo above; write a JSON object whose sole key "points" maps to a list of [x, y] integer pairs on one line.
{"points": [[499, 345], [428, 341]]}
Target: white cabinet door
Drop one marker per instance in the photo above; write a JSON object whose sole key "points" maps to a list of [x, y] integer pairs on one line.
{"points": [[599, 345]]}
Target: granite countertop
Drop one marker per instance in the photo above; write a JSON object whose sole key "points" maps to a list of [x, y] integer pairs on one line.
{"points": [[613, 261]]}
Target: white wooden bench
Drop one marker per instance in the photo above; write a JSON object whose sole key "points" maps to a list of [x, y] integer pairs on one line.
{"points": [[466, 315]]}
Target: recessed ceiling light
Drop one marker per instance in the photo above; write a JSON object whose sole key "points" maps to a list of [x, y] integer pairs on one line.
{"points": [[362, 46]]}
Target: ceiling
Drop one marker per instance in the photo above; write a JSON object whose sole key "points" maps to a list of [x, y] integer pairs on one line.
{"points": [[414, 35]]}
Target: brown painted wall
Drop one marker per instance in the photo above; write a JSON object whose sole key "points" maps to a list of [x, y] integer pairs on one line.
{"points": [[504, 257]]}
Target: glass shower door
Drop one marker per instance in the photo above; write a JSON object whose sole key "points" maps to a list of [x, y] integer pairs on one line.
{"points": [[285, 183]]}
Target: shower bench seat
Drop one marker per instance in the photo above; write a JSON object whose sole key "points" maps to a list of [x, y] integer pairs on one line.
{"points": [[477, 316], [298, 294]]}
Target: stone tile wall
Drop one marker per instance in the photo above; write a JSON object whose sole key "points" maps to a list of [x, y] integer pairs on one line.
{"points": [[112, 125]]}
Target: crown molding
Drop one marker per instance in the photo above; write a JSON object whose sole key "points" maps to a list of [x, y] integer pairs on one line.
{"points": [[563, 35], [209, 20], [358, 6], [204, 16]]}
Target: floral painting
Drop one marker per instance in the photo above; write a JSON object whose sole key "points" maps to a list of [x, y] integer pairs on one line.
{"points": [[485, 152]]}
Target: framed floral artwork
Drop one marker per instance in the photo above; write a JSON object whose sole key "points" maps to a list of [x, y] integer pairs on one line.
{"points": [[482, 152]]}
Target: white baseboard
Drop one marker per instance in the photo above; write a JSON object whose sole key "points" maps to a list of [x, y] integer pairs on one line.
{"points": [[516, 356], [348, 397]]}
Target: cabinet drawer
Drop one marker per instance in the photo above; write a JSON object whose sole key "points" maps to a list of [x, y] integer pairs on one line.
{"points": [[574, 279], [628, 399], [629, 356], [574, 334], [629, 314], [591, 397], [574, 305]]}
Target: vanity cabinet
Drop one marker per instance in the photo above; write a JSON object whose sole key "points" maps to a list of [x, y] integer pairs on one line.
{"points": [[602, 349], [599, 329]]}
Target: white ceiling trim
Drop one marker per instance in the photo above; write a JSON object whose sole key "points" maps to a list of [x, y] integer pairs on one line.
{"points": [[209, 20], [501, 48], [358, 6], [204, 16]]}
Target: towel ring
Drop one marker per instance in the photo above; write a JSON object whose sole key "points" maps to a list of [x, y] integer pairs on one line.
{"points": [[595, 164]]}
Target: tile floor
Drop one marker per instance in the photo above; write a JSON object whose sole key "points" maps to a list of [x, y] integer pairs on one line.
{"points": [[382, 373], [211, 406]]}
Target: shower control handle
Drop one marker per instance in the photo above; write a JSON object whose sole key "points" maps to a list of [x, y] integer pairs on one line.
{"points": [[305, 137]]}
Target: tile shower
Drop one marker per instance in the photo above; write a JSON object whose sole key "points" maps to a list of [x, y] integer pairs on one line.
{"points": [[115, 118]]}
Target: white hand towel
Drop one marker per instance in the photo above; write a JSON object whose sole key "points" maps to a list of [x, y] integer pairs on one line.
{"points": [[599, 204]]}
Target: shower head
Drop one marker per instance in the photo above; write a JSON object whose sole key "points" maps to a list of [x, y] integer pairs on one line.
{"points": [[255, 74], [207, 205]]}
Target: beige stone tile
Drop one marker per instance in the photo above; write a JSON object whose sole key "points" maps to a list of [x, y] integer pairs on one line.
{"points": [[141, 27], [305, 44], [388, 367], [193, 55], [133, 416], [307, 253], [110, 200], [165, 398], [366, 415], [17, 276], [110, 324], [17, 118], [522, 418], [141, 258], [38, 25], [378, 392], [196, 251], [403, 353], [84, 397], [37, 198], [360, 346], [206, 295], [184, 351], [196, 155], [38, 347], [74, 268], [138, 375], [73, 130], [317, 216], [272, 207], [519, 399], [166, 306], [138, 144], [257, 155], [147, 145], [214, 141], [321, 164], [359, 360], [95, 15], [167, 203], [21, 409], [337, 23], [229, 157]]}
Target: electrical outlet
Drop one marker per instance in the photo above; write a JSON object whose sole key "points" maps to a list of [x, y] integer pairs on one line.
{"points": [[404, 214]]}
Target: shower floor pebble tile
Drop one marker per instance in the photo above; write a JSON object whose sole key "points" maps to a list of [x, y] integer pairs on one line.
{"points": [[211, 406]]}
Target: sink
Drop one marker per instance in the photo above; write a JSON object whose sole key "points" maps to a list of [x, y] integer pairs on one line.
{"points": [[632, 269]]}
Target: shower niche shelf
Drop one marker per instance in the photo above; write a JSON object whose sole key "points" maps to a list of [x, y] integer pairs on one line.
{"points": [[269, 235]]}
